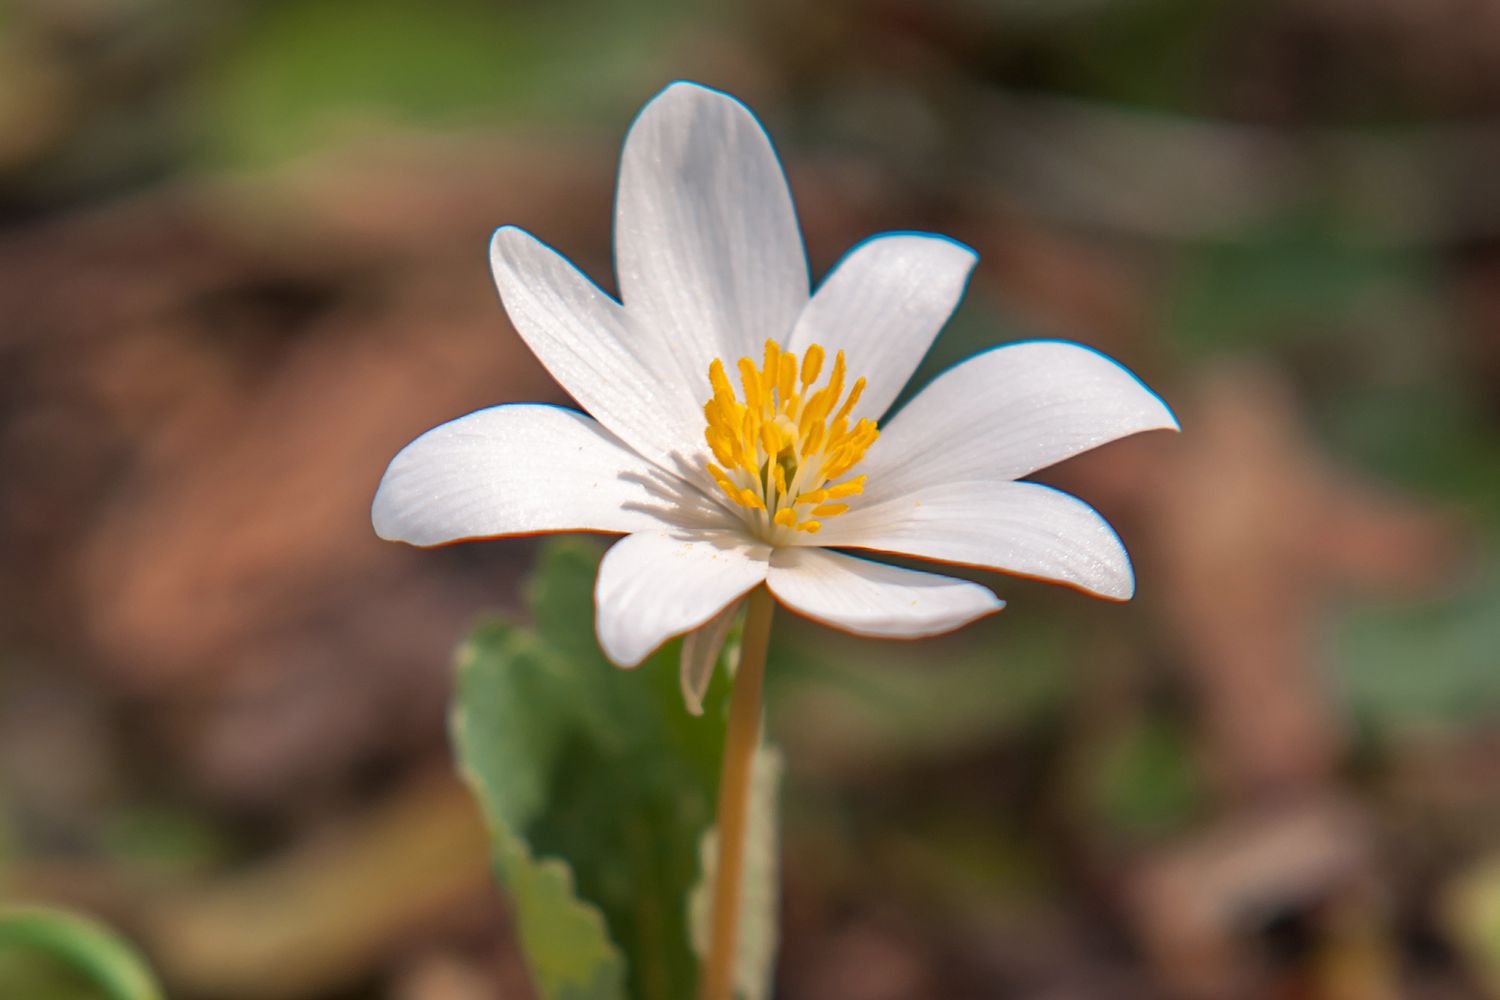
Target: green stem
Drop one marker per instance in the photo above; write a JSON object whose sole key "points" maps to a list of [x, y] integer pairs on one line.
{"points": [[740, 742]]}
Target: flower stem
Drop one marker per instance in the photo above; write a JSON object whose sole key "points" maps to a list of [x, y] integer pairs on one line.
{"points": [[740, 742]]}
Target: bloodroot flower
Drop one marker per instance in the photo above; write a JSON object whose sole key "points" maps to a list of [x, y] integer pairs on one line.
{"points": [[734, 428]]}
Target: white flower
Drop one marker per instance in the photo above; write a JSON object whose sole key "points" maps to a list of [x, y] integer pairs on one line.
{"points": [[724, 473]]}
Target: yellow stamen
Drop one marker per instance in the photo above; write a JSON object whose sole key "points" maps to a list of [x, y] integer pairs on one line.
{"points": [[854, 393], [723, 391], [750, 378], [812, 363], [771, 438], [786, 377], [848, 489], [836, 380], [783, 451], [772, 364]]}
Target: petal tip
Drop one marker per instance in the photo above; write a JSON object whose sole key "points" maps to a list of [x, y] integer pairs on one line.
{"points": [[692, 90], [502, 233], [1161, 416], [386, 515], [692, 100], [1120, 589], [956, 246], [505, 242], [1170, 423], [617, 649], [626, 656], [1152, 412], [986, 606]]}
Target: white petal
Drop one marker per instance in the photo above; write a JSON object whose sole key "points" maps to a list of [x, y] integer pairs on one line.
{"points": [[883, 305], [706, 241], [700, 654], [512, 470], [613, 368], [1022, 528], [655, 585], [870, 598], [1006, 413]]}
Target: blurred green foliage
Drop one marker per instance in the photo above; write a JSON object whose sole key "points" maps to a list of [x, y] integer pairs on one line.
{"points": [[1288, 288], [597, 786], [995, 679], [1429, 666], [166, 839], [65, 955], [1427, 433], [1146, 783], [1157, 53], [298, 76]]}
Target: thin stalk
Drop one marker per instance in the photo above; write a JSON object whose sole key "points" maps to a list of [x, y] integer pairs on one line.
{"points": [[740, 742]]}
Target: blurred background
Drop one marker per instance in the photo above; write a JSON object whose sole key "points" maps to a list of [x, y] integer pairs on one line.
{"points": [[242, 261]]}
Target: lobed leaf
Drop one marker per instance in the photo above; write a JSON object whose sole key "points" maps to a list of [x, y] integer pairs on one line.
{"points": [[597, 786]]}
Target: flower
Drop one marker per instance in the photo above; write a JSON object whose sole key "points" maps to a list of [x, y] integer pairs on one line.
{"points": [[731, 431]]}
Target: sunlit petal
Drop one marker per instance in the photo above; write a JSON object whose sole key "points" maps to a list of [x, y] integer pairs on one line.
{"points": [[1022, 528], [870, 598], [655, 585], [883, 305], [512, 470], [1006, 413], [706, 241]]}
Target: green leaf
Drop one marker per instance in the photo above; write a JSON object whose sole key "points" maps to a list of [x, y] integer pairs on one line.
{"points": [[508, 739], [107, 959], [597, 786], [1423, 667]]}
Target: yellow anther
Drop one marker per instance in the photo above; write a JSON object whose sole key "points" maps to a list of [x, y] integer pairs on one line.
{"points": [[750, 378], [854, 393], [786, 377], [817, 408], [719, 379], [772, 364], [812, 441], [775, 448], [720, 445], [749, 433], [836, 380], [770, 437], [848, 488], [812, 363]]}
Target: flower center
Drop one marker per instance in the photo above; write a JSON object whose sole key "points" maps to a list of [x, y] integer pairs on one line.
{"points": [[784, 452]]}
